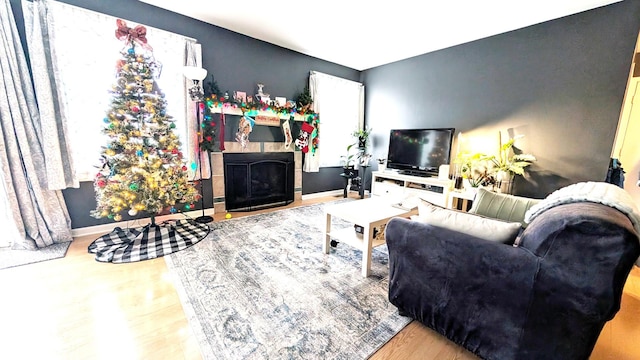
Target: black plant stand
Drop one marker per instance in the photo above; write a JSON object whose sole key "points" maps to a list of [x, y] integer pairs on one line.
{"points": [[204, 219], [346, 176], [354, 175], [362, 177]]}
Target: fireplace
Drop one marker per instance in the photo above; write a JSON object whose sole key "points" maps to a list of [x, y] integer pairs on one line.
{"points": [[258, 180]]}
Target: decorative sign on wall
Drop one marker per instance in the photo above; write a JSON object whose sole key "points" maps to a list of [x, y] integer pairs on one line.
{"points": [[269, 120]]}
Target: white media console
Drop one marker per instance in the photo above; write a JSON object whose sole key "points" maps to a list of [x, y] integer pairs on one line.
{"points": [[432, 189]]}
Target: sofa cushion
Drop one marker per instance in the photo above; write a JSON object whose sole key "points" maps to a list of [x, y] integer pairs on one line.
{"points": [[470, 224], [501, 206]]}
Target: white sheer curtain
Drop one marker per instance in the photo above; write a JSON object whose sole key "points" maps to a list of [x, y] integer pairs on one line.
{"points": [[86, 50], [340, 103]]}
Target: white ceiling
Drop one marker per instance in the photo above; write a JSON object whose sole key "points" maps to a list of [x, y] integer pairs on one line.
{"points": [[362, 34]]}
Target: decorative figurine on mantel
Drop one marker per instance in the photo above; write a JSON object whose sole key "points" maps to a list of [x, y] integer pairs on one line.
{"points": [[264, 98]]}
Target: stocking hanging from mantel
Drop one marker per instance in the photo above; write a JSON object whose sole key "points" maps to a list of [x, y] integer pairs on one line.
{"points": [[286, 129], [312, 157]]}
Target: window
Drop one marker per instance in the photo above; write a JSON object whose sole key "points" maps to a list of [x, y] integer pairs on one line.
{"points": [[340, 103], [86, 51]]}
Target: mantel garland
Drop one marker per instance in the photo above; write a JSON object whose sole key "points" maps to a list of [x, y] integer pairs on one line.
{"points": [[214, 101]]}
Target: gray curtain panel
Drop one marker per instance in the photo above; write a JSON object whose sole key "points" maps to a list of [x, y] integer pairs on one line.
{"points": [[40, 214], [51, 128]]}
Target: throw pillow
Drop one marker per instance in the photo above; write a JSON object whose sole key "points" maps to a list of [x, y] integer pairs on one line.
{"points": [[470, 224], [501, 206]]}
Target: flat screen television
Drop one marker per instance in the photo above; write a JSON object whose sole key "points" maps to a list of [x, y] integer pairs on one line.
{"points": [[419, 152]]}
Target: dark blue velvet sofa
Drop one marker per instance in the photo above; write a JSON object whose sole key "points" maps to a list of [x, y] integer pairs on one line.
{"points": [[546, 298]]}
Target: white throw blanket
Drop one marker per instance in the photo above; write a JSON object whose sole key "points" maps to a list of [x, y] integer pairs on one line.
{"points": [[597, 192]]}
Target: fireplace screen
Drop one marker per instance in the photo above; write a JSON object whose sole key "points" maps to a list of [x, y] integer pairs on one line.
{"points": [[258, 180]]}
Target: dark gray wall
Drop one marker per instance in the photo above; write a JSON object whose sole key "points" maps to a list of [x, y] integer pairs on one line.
{"points": [[561, 83], [237, 62]]}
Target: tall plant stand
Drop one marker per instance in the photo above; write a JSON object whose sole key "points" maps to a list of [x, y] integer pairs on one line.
{"points": [[203, 219]]}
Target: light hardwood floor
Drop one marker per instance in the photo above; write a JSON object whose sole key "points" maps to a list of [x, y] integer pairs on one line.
{"points": [[77, 308]]}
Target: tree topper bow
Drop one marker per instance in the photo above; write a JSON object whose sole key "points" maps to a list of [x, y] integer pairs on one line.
{"points": [[137, 34]]}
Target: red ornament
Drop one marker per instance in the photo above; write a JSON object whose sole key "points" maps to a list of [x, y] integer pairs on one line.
{"points": [[201, 106], [184, 168], [209, 138], [101, 183], [135, 109], [174, 151]]}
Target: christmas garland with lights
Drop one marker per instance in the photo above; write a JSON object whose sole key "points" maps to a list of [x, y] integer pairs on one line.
{"points": [[215, 99]]}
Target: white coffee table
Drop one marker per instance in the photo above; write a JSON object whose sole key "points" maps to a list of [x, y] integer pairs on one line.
{"points": [[368, 213]]}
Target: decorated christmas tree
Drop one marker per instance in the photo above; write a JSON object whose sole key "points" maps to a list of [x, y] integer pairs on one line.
{"points": [[142, 168]]}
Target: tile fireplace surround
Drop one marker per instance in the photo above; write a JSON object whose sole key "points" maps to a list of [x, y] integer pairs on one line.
{"points": [[217, 167]]}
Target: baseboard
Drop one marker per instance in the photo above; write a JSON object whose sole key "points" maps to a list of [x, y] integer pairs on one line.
{"points": [[106, 228], [322, 194]]}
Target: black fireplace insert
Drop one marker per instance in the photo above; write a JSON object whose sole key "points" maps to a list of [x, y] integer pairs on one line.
{"points": [[258, 180]]}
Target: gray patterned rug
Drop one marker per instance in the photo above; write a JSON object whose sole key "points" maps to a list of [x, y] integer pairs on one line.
{"points": [[10, 258], [260, 287]]}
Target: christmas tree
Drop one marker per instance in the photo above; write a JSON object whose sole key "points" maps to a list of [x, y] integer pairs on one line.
{"points": [[142, 166]]}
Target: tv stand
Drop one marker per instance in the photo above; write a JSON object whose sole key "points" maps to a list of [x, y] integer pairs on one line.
{"points": [[432, 189]]}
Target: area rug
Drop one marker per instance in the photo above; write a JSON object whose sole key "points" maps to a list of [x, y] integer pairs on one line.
{"points": [[11, 258], [147, 242], [260, 287]]}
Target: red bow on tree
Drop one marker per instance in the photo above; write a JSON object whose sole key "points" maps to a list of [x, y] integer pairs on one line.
{"points": [[137, 34]]}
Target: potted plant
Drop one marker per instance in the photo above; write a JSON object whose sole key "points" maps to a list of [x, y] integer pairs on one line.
{"points": [[474, 169], [506, 166], [349, 160], [363, 137], [356, 152]]}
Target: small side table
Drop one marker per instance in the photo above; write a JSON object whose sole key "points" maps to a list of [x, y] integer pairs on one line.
{"points": [[461, 200]]}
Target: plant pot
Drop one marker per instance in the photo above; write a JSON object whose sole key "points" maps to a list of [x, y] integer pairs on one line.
{"points": [[468, 187], [504, 182], [382, 165]]}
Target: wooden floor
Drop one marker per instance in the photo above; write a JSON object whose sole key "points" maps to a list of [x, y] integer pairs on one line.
{"points": [[77, 308]]}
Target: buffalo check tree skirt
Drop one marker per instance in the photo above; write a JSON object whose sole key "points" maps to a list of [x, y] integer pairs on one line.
{"points": [[147, 242]]}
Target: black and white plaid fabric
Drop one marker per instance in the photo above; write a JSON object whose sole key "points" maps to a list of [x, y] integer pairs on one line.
{"points": [[148, 242]]}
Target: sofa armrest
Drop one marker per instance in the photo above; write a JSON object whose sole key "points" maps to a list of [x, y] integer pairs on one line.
{"points": [[461, 285]]}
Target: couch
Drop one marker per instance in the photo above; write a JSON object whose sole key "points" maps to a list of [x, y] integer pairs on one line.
{"points": [[543, 291]]}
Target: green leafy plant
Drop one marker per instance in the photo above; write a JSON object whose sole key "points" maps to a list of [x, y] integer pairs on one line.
{"points": [[482, 169], [475, 168], [362, 137], [361, 140], [514, 164], [349, 159]]}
